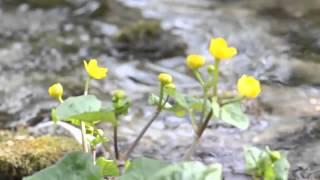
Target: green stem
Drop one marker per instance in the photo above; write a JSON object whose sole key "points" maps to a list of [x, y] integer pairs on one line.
{"points": [[204, 105], [204, 125], [193, 121], [199, 77], [216, 77], [146, 127], [196, 140], [83, 137], [83, 126]]}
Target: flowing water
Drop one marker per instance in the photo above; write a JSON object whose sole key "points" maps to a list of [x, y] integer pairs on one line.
{"points": [[278, 42]]}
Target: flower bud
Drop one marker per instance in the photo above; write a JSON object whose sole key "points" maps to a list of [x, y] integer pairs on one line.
{"points": [[195, 61], [165, 78], [56, 91], [118, 94], [275, 155], [210, 69], [170, 86]]}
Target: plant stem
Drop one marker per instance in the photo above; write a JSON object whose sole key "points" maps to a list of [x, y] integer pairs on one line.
{"points": [[204, 125], [197, 137], [108, 149], [94, 155], [115, 141], [146, 127], [83, 137], [83, 126], [199, 77], [216, 77], [204, 105]]}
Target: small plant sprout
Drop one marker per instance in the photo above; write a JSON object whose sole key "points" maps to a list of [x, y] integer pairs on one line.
{"points": [[266, 163]]}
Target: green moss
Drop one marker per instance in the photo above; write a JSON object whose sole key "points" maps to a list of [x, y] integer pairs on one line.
{"points": [[22, 155], [141, 30]]}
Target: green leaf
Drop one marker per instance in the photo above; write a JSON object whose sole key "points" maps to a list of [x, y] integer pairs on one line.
{"points": [[54, 115], [93, 117], [252, 156], [143, 168], [260, 163], [233, 114], [188, 170], [188, 102], [107, 167], [281, 168], [148, 169], [154, 100], [268, 172], [77, 105], [74, 166], [178, 110], [121, 106], [216, 108]]}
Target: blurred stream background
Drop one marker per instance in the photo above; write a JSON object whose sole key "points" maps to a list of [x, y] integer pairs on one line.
{"points": [[46, 41]]}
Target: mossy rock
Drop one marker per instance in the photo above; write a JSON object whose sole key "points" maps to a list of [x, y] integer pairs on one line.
{"points": [[140, 31], [22, 155], [147, 39]]}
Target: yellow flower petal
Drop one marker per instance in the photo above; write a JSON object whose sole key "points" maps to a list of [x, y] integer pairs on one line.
{"points": [[94, 70], [195, 61], [248, 86], [220, 50]]}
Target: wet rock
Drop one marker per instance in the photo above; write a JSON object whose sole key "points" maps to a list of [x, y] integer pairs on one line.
{"points": [[92, 9], [37, 3], [147, 39], [22, 155], [46, 3], [173, 122]]}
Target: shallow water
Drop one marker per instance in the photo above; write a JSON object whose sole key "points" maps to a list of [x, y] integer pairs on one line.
{"points": [[278, 42]]}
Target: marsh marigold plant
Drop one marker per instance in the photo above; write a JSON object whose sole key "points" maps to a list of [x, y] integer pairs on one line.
{"points": [[87, 111]]}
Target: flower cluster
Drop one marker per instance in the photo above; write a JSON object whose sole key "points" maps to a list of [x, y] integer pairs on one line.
{"points": [[93, 70], [247, 85]]}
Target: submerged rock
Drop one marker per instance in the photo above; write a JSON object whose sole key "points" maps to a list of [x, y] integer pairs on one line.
{"points": [[22, 155], [147, 39]]}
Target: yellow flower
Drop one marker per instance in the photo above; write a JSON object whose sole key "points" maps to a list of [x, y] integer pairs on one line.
{"points": [[220, 50], [248, 86], [165, 78], [56, 91], [195, 61], [94, 70]]}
